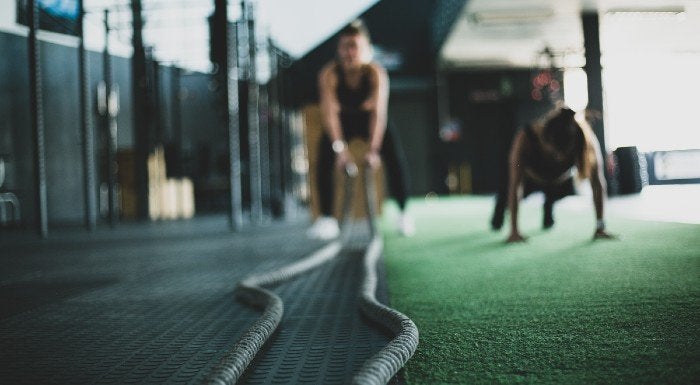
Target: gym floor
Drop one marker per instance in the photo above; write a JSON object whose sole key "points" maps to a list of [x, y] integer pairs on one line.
{"points": [[560, 308], [154, 303]]}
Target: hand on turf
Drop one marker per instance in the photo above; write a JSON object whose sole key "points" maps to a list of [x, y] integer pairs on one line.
{"points": [[515, 237], [602, 234]]}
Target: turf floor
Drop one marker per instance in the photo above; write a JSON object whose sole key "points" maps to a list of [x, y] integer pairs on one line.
{"points": [[558, 309]]}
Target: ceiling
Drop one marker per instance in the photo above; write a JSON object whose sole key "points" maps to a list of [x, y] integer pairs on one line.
{"points": [[178, 30], [487, 33], [514, 33]]}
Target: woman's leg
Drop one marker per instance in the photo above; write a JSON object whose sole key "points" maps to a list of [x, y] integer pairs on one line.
{"points": [[325, 227], [396, 168], [501, 201], [324, 176], [553, 194]]}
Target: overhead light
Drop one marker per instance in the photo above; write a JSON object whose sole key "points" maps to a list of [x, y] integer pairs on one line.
{"points": [[653, 13], [511, 15]]}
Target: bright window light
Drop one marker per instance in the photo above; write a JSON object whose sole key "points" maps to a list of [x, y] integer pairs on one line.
{"points": [[652, 101], [650, 60], [575, 89]]}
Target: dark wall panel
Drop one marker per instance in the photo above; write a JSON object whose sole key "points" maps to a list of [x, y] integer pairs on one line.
{"points": [[490, 106], [63, 135], [412, 120], [205, 143], [64, 171], [204, 151], [15, 125]]}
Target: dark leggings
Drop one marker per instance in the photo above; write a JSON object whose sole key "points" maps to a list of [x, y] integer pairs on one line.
{"points": [[395, 168]]}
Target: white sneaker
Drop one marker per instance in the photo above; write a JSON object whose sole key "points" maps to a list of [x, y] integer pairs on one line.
{"points": [[406, 225], [324, 228]]}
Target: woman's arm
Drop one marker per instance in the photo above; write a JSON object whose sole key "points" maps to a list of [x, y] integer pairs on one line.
{"points": [[377, 104], [330, 113], [515, 177], [330, 107], [598, 186]]}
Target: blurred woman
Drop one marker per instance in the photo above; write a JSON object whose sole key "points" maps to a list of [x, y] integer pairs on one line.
{"points": [[541, 159], [354, 93]]}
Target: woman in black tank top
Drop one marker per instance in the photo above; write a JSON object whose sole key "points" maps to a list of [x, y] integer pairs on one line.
{"points": [[354, 95], [354, 120], [542, 158]]}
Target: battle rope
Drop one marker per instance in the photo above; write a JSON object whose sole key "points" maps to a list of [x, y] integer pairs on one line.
{"points": [[381, 367], [250, 291]]}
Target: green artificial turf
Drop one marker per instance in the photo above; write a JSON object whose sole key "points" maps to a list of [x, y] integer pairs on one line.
{"points": [[557, 309]]}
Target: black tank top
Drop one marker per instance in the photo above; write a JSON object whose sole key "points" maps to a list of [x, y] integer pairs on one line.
{"points": [[543, 165], [353, 120]]}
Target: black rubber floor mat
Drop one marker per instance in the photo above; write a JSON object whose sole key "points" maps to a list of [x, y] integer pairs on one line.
{"points": [[323, 339], [155, 305], [165, 314]]}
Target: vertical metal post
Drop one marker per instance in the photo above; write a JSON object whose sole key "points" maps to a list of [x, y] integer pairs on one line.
{"points": [[276, 196], [256, 210], [227, 76], [593, 68], [109, 128], [233, 121], [86, 126], [285, 133], [264, 116], [37, 119], [176, 117], [140, 111], [156, 121]]}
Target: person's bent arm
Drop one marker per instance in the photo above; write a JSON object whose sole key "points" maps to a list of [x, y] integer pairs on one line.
{"points": [[515, 177], [330, 114], [377, 105]]}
